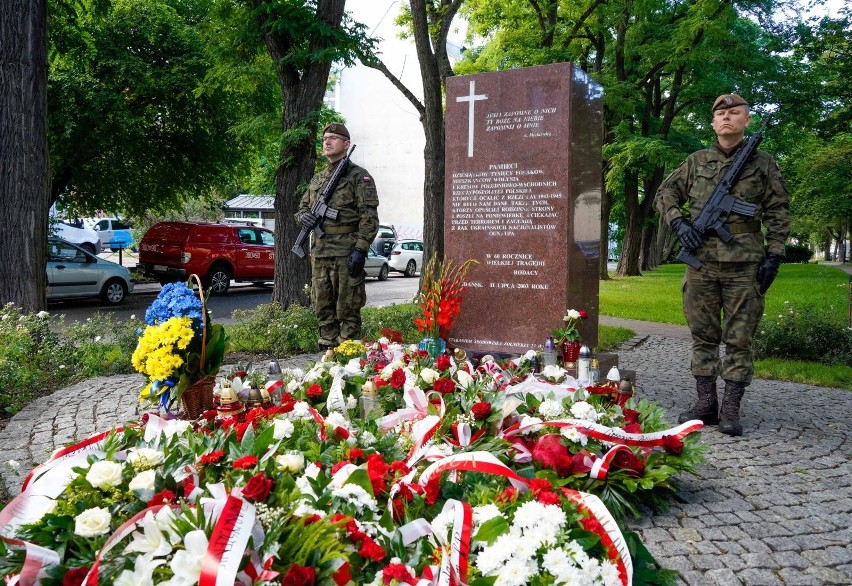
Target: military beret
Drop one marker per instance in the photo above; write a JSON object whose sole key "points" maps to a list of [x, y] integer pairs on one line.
{"points": [[336, 128], [726, 101]]}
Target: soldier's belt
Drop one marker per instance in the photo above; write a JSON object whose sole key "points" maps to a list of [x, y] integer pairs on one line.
{"points": [[349, 228], [744, 228]]}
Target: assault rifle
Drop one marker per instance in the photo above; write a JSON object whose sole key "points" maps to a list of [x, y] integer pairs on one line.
{"points": [[715, 212], [321, 209]]}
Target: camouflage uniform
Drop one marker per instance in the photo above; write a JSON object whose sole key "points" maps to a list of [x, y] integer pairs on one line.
{"points": [[726, 284], [336, 297]]}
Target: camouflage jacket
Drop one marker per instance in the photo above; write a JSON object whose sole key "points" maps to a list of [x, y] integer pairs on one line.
{"points": [[760, 183], [356, 202]]}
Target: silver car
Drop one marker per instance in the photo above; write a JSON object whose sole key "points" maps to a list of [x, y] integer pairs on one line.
{"points": [[376, 265], [73, 272]]}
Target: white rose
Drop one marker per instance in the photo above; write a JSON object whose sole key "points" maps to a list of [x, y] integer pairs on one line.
{"points": [[429, 375], [92, 522], [293, 386], [291, 462], [143, 484], [572, 314], [142, 458], [104, 474], [282, 428]]}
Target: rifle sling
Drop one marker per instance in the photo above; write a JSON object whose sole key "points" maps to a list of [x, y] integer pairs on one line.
{"points": [[350, 228]]}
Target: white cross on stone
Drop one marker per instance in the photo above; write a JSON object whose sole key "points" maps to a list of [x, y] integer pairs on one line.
{"points": [[471, 99]]}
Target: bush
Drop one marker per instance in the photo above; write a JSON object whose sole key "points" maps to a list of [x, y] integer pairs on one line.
{"points": [[394, 317], [271, 329], [797, 254], [804, 334]]}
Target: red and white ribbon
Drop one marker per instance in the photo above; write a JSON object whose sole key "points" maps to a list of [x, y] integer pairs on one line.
{"points": [[600, 467], [37, 559], [484, 462], [227, 543], [615, 435], [417, 407], [455, 565], [422, 432]]}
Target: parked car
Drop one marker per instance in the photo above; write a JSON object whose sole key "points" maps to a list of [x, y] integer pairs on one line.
{"points": [[406, 257], [376, 265], [385, 240], [113, 233], [85, 238], [218, 253], [75, 272]]}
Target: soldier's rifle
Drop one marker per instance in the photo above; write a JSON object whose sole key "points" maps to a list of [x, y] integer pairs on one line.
{"points": [[321, 209], [714, 215]]}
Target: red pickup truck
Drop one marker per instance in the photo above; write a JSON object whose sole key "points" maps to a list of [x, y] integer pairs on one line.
{"points": [[218, 253]]}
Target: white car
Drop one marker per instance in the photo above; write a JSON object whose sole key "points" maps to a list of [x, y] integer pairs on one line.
{"points": [[85, 238], [74, 272], [113, 233], [407, 257]]}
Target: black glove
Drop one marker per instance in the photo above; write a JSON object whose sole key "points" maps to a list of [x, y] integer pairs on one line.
{"points": [[689, 237], [356, 262], [767, 271], [308, 220]]}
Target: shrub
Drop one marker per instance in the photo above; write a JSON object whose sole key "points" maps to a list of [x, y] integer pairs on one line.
{"points": [[271, 329], [394, 317], [796, 254], [805, 334]]}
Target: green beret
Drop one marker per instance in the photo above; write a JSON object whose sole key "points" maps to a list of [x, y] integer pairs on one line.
{"points": [[726, 101], [336, 128]]}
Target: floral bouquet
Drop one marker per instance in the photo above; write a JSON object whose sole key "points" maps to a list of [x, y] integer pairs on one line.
{"points": [[179, 347], [441, 296], [569, 332]]}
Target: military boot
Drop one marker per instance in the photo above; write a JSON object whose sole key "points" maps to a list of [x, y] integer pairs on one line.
{"points": [[707, 407], [730, 412]]}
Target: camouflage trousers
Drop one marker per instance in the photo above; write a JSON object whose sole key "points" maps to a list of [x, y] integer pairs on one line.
{"points": [[722, 303], [337, 300]]}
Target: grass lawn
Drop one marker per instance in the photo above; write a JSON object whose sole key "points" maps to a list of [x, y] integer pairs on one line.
{"points": [[655, 297]]}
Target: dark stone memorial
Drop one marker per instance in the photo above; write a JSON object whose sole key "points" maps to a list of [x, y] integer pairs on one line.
{"points": [[523, 197]]}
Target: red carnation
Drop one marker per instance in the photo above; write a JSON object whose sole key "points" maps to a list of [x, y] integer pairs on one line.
{"points": [[314, 391], [162, 497], [444, 386], [75, 576], [673, 445], [396, 572], [397, 379], [338, 466], [371, 550], [549, 498], [299, 576], [257, 488], [245, 462], [212, 457], [356, 453], [380, 382], [540, 485], [442, 362], [481, 410]]}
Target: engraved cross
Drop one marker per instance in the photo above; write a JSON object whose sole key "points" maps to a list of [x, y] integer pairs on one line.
{"points": [[472, 98]]}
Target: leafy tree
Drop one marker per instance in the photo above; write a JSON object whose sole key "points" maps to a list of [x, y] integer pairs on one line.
{"points": [[23, 153], [129, 128]]}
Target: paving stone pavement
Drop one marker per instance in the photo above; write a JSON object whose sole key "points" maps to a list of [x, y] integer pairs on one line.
{"points": [[771, 507]]}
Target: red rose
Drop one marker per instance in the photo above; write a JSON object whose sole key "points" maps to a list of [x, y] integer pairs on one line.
{"points": [[628, 460], [162, 497], [442, 362], [580, 464], [673, 445], [632, 428], [75, 576], [343, 575], [380, 382], [547, 451], [444, 386], [245, 462], [397, 379], [481, 410], [583, 314], [631, 416], [257, 488], [299, 576], [314, 391], [342, 433]]}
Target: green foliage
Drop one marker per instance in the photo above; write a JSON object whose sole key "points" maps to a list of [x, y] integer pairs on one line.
{"points": [[272, 329], [395, 317], [796, 254], [804, 334]]}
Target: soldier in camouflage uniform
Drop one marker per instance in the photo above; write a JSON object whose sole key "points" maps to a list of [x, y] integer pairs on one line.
{"points": [[337, 281], [723, 301]]}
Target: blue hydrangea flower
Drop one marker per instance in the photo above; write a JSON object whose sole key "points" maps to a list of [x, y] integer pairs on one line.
{"points": [[175, 300]]}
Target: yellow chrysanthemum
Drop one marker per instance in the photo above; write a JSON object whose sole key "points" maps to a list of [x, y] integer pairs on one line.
{"points": [[156, 352]]}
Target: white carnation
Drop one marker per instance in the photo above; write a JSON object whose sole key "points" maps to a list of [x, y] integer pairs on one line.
{"points": [[429, 375], [530, 425], [282, 428], [584, 410], [550, 408]]}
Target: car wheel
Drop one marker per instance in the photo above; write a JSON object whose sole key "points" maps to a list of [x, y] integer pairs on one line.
{"points": [[114, 291], [89, 247], [218, 280], [383, 273], [410, 268]]}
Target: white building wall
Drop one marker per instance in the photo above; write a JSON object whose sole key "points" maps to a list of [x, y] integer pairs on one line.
{"points": [[383, 124]]}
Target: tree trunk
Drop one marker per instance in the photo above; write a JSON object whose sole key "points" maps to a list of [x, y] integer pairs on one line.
{"points": [[628, 264], [303, 90], [24, 164]]}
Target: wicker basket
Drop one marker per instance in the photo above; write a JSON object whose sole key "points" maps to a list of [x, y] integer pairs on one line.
{"points": [[198, 396]]}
